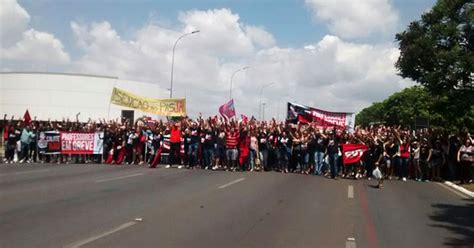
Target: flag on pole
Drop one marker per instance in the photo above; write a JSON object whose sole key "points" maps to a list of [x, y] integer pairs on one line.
{"points": [[353, 153], [244, 118], [227, 110], [27, 117]]}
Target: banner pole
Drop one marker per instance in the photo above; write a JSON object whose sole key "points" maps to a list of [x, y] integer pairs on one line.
{"points": [[146, 149], [110, 101]]}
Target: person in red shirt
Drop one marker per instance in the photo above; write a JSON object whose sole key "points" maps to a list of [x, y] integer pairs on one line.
{"points": [[175, 146], [244, 144]]}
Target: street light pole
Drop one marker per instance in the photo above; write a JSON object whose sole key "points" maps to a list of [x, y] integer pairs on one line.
{"points": [[232, 77], [172, 59], [260, 103], [263, 111]]}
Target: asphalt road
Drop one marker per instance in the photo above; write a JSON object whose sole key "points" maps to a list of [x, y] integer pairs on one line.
{"points": [[123, 206]]}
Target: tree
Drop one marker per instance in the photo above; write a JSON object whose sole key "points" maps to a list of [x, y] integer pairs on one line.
{"points": [[437, 52], [370, 115], [401, 108]]}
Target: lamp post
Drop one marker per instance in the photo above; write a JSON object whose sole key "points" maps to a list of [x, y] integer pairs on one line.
{"points": [[232, 77], [172, 59], [263, 111], [260, 103]]}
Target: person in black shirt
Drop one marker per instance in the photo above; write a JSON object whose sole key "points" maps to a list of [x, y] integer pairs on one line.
{"points": [[453, 148], [333, 156], [284, 143], [424, 153], [319, 148], [374, 156], [263, 148], [208, 148], [194, 138], [11, 144]]}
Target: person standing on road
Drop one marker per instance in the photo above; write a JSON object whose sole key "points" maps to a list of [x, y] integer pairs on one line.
{"points": [[263, 148], [285, 151], [319, 150], [436, 160], [231, 143], [25, 139], [175, 146], [193, 138], [332, 153], [208, 147], [253, 150], [404, 157], [244, 144], [11, 144], [415, 149], [466, 159], [452, 154]]}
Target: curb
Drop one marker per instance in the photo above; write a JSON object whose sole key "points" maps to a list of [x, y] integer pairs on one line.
{"points": [[460, 189]]}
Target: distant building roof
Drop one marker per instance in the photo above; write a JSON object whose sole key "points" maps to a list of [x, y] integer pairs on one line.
{"points": [[58, 73]]}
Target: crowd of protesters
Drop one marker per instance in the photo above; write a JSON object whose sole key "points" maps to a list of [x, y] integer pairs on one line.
{"points": [[219, 144]]}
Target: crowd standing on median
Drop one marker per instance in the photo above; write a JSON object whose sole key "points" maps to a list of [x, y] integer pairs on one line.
{"points": [[219, 144]]}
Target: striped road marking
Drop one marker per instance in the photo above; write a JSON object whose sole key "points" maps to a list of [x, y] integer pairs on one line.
{"points": [[233, 182], [23, 172], [94, 238], [117, 178], [350, 192]]}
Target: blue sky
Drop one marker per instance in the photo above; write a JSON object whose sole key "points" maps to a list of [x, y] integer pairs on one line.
{"points": [[336, 55]]}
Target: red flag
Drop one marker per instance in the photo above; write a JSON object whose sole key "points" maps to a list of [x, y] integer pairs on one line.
{"points": [[244, 118], [227, 110], [304, 119], [352, 153], [27, 117]]}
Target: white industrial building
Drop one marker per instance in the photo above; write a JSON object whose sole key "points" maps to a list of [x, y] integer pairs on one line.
{"points": [[58, 95]]}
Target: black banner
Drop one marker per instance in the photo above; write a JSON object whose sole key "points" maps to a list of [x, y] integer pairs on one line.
{"points": [[49, 142]]}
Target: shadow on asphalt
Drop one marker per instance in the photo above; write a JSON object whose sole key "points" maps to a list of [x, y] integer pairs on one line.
{"points": [[457, 219]]}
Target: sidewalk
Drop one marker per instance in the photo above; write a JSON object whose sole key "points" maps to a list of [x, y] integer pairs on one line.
{"points": [[466, 189]]}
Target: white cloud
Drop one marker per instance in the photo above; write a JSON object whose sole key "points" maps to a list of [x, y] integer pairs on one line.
{"points": [[259, 36], [37, 46], [13, 21], [351, 19], [20, 43]]}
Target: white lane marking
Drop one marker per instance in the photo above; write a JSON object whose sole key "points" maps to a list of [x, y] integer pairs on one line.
{"points": [[350, 192], [454, 191], [94, 238], [233, 182], [350, 243], [23, 172], [117, 178]]}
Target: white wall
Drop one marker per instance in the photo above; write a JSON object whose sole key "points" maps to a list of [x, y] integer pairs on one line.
{"points": [[55, 96]]}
